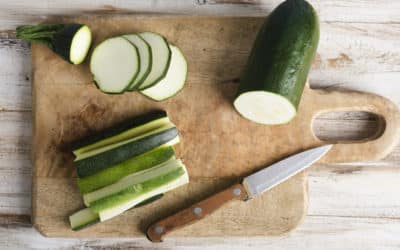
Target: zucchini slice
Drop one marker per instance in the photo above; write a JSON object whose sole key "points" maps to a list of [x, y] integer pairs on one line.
{"points": [[145, 59], [123, 131], [164, 179], [105, 157], [161, 57], [174, 80], [113, 174], [114, 64], [273, 82], [70, 41]]}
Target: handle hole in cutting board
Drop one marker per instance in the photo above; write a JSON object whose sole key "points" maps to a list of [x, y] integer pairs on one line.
{"points": [[347, 127]]}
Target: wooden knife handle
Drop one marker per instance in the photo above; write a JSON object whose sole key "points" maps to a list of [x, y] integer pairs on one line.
{"points": [[196, 212]]}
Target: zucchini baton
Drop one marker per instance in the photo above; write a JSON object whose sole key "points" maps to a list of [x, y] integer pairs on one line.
{"points": [[126, 150], [112, 174], [277, 69], [122, 131]]}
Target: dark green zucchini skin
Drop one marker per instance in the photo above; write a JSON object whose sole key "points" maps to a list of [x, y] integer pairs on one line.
{"points": [[62, 40], [283, 51], [57, 37], [119, 128], [96, 163]]}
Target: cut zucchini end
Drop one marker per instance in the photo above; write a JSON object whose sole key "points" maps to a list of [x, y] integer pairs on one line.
{"points": [[80, 45], [265, 107], [83, 218]]}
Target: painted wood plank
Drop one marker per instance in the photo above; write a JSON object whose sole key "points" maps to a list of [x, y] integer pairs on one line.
{"points": [[356, 56], [15, 165], [331, 232], [329, 11], [15, 74], [354, 191], [13, 13]]}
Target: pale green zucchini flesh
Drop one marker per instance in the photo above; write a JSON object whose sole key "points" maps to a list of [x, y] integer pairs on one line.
{"points": [[116, 203], [114, 64]]}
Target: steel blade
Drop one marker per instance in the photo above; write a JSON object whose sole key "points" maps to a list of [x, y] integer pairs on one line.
{"points": [[276, 173]]}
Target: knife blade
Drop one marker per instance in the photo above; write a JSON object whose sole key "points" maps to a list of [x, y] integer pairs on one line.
{"points": [[251, 186]]}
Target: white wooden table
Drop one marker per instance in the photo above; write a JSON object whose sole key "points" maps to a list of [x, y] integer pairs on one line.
{"points": [[352, 206]]}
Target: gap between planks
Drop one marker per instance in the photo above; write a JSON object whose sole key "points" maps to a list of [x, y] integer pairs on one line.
{"points": [[13, 13], [316, 231]]}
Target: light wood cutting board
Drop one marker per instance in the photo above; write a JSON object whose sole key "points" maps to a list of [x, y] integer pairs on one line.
{"points": [[217, 144]]}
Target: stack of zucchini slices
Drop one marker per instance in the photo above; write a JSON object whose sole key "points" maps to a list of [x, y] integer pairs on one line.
{"points": [[126, 166], [143, 62]]}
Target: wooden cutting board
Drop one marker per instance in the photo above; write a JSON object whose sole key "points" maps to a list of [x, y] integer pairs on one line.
{"points": [[217, 145]]}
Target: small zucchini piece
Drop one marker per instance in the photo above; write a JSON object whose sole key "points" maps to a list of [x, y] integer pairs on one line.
{"points": [[85, 217], [70, 41]]}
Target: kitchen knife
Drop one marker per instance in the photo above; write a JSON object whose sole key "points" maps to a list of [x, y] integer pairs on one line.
{"points": [[251, 186]]}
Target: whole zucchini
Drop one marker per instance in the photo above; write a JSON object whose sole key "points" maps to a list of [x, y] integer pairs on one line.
{"points": [[277, 69]]}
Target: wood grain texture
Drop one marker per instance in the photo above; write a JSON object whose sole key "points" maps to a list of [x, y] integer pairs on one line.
{"points": [[216, 48], [196, 212], [354, 191]]}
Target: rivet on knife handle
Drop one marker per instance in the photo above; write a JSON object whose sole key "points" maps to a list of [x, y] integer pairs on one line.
{"points": [[196, 212]]}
